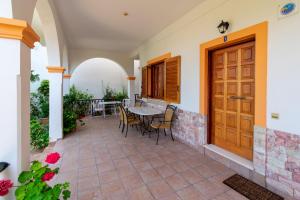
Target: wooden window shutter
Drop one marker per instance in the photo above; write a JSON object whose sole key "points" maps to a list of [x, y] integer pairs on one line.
{"points": [[172, 79], [144, 82]]}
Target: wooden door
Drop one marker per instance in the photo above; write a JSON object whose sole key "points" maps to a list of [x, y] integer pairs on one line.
{"points": [[232, 98]]}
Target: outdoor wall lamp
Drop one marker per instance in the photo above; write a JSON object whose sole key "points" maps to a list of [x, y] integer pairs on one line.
{"points": [[3, 166], [223, 27]]}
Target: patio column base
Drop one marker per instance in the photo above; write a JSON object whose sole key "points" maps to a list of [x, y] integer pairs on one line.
{"points": [[16, 40], [56, 103]]}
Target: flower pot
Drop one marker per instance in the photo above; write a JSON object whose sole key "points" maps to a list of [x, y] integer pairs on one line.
{"points": [[44, 121]]}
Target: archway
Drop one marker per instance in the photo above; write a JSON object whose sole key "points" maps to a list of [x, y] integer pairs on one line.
{"points": [[94, 75]]}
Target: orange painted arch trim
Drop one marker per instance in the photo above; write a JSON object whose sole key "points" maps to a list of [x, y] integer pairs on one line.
{"points": [[159, 58], [18, 30], [53, 69], [260, 33], [131, 78], [67, 76]]}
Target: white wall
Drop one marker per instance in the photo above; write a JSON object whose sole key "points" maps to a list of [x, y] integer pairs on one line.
{"points": [[184, 36], [39, 63], [137, 74], [95, 74], [77, 56]]}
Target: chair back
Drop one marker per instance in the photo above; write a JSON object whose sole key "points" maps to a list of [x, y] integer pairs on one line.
{"points": [[126, 102], [138, 103], [169, 113], [98, 105], [120, 112], [124, 114]]}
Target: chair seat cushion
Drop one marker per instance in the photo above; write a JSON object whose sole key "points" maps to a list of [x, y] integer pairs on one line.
{"points": [[157, 125]]}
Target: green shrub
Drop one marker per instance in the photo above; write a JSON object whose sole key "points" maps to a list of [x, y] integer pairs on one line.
{"points": [[76, 105], [39, 102], [69, 124], [39, 135]]}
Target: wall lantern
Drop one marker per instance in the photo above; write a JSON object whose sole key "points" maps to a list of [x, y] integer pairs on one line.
{"points": [[223, 27], [3, 166]]}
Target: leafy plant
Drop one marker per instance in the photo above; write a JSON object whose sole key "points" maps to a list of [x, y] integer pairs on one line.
{"points": [[34, 77], [34, 182], [69, 124], [109, 94], [39, 135], [76, 106], [39, 102], [119, 96]]}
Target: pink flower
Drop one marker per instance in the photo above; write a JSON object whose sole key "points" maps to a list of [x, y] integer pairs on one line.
{"points": [[5, 185], [48, 176], [52, 158]]}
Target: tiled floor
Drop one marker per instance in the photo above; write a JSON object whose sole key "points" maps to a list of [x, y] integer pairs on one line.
{"points": [[100, 163]]}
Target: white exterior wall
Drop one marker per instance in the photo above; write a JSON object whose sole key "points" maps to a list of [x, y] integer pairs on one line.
{"points": [[184, 36], [39, 63], [77, 56], [95, 74], [137, 74]]}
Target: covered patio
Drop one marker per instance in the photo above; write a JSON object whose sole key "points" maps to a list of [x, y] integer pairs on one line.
{"points": [[100, 163]]}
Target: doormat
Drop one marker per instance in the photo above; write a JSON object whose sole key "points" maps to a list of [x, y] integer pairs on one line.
{"points": [[250, 189]]}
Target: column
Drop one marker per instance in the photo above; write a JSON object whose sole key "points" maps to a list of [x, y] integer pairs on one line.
{"points": [[66, 84], [56, 102], [16, 40], [131, 88]]}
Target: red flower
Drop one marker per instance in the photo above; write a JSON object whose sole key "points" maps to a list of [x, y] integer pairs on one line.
{"points": [[5, 185], [48, 176], [52, 158]]}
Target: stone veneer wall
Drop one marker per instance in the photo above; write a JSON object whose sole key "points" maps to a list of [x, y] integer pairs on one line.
{"points": [[283, 162], [188, 127]]}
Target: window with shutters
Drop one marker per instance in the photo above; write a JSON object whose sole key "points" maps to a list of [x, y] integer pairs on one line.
{"points": [[162, 80]]}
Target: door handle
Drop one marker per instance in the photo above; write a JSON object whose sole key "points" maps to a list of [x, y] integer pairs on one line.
{"points": [[237, 97]]}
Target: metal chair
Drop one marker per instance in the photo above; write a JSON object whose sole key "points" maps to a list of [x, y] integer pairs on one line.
{"points": [[98, 106], [165, 122], [128, 119]]}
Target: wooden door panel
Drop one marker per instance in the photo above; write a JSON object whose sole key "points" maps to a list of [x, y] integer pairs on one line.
{"points": [[232, 73], [233, 92], [247, 89], [247, 107], [232, 89], [247, 72]]}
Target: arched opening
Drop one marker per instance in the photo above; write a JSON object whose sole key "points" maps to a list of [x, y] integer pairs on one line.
{"points": [[96, 74]]}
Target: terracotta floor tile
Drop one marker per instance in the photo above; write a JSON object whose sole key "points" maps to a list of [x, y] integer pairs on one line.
{"points": [[141, 193], [108, 176], [87, 172], [189, 193], [142, 166], [133, 181], [192, 176], [100, 163], [179, 166], [88, 183], [150, 175], [177, 182], [165, 171], [160, 189], [87, 163], [106, 166], [115, 188]]}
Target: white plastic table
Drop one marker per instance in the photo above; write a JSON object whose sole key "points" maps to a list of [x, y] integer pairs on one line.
{"points": [[113, 103]]}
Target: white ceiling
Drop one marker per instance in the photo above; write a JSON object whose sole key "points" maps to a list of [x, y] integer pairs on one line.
{"points": [[100, 24]]}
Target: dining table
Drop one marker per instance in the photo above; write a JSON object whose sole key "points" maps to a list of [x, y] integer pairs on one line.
{"points": [[145, 112]]}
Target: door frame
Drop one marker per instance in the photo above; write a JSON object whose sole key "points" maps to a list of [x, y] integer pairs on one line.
{"points": [[257, 32]]}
